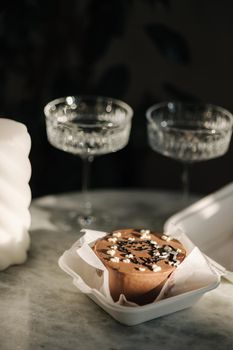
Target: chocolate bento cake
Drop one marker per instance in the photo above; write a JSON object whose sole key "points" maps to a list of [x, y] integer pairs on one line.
{"points": [[139, 262]]}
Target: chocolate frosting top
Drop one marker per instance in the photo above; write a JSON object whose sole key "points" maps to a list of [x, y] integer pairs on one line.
{"points": [[139, 251]]}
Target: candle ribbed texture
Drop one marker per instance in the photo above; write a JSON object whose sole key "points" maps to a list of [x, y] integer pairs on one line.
{"points": [[15, 193]]}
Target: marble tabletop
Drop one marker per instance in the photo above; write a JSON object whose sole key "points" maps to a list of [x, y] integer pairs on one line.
{"points": [[41, 309]]}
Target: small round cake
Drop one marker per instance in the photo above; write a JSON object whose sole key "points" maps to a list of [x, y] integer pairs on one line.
{"points": [[139, 262]]}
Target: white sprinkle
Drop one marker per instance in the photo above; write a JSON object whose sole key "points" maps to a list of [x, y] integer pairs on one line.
{"points": [[165, 253], [127, 261], [115, 259], [164, 256], [145, 236], [167, 248], [141, 269], [153, 242], [131, 239], [174, 263], [111, 252], [129, 256], [117, 234], [156, 268], [174, 252], [156, 253], [146, 232], [178, 250], [114, 239], [114, 247], [166, 238]]}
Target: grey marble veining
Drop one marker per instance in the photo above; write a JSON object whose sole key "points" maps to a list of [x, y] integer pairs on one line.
{"points": [[41, 309]]}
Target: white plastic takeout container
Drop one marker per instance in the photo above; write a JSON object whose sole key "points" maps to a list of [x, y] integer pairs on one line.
{"points": [[129, 315], [209, 224]]}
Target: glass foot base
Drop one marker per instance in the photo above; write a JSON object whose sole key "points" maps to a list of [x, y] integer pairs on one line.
{"points": [[97, 221], [86, 220]]}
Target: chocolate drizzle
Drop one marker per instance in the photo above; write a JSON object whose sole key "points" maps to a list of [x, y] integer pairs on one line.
{"points": [[150, 251]]}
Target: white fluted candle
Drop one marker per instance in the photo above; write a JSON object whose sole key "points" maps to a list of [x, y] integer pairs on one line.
{"points": [[15, 193]]}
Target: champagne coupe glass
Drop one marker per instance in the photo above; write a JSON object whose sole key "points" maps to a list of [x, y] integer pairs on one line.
{"points": [[88, 126], [189, 132]]}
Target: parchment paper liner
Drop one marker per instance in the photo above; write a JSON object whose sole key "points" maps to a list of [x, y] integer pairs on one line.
{"points": [[195, 272]]}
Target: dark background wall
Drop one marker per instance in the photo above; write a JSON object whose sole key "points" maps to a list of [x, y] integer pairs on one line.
{"points": [[141, 51]]}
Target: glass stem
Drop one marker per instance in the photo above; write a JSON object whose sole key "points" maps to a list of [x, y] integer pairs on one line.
{"points": [[185, 182], [87, 206]]}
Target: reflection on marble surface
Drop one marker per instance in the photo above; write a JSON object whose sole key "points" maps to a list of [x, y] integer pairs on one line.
{"points": [[41, 309]]}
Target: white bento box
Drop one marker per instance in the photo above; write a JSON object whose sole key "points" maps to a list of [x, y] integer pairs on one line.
{"points": [[209, 224], [133, 315]]}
